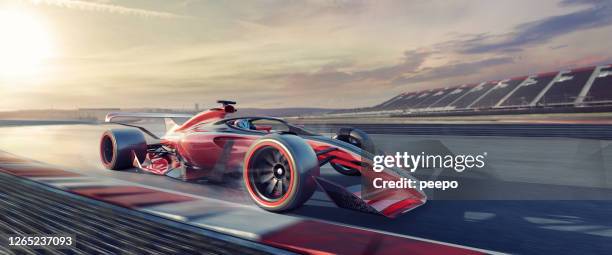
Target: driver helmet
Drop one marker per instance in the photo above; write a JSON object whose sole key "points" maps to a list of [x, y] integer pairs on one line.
{"points": [[243, 123]]}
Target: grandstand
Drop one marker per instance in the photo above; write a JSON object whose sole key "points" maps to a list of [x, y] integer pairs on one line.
{"points": [[574, 90]]}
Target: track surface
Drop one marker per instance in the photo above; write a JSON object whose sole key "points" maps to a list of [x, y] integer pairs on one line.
{"points": [[100, 228], [528, 164], [574, 129]]}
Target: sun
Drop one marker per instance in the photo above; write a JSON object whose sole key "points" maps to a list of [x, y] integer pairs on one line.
{"points": [[24, 44]]}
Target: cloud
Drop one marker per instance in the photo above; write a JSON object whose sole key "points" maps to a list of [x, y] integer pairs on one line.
{"points": [[589, 60], [408, 72], [412, 61], [453, 70], [598, 14], [581, 2], [331, 75], [105, 7], [291, 12], [296, 53]]}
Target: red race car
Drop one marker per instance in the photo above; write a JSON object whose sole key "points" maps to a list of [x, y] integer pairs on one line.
{"points": [[278, 162]]}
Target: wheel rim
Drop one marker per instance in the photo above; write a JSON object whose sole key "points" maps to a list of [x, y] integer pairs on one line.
{"points": [[269, 174], [107, 149]]}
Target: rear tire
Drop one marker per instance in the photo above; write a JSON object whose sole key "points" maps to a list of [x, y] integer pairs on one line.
{"points": [[278, 172], [355, 137], [116, 146], [349, 171]]}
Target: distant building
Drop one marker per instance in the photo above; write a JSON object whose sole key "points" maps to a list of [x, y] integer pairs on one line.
{"points": [[95, 113], [100, 109]]}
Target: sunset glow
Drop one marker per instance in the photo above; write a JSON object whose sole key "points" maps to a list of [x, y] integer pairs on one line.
{"points": [[268, 54], [24, 46]]}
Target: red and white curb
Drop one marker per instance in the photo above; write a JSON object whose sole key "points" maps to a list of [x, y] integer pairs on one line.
{"points": [[283, 231]]}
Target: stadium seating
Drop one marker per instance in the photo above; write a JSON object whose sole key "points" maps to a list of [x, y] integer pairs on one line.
{"points": [[601, 90], [578, 88], [420, 97], [432, 98], [472, 95], [389, 104], [400, 102], [453, 95], [529, 90], [567, 87], [497, 93]]}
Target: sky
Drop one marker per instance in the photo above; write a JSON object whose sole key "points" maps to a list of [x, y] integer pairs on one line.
{"points": [[272, 54]]}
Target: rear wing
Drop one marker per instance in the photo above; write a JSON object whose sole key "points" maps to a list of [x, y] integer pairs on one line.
{"points": [[113, 115], [168, 119]]}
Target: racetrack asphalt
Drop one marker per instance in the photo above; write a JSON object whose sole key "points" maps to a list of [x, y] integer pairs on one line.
{"points": [[556, 171]]}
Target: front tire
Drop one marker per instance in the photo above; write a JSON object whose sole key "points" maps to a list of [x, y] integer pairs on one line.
{"points": [[116, 146], [278, 172]]}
